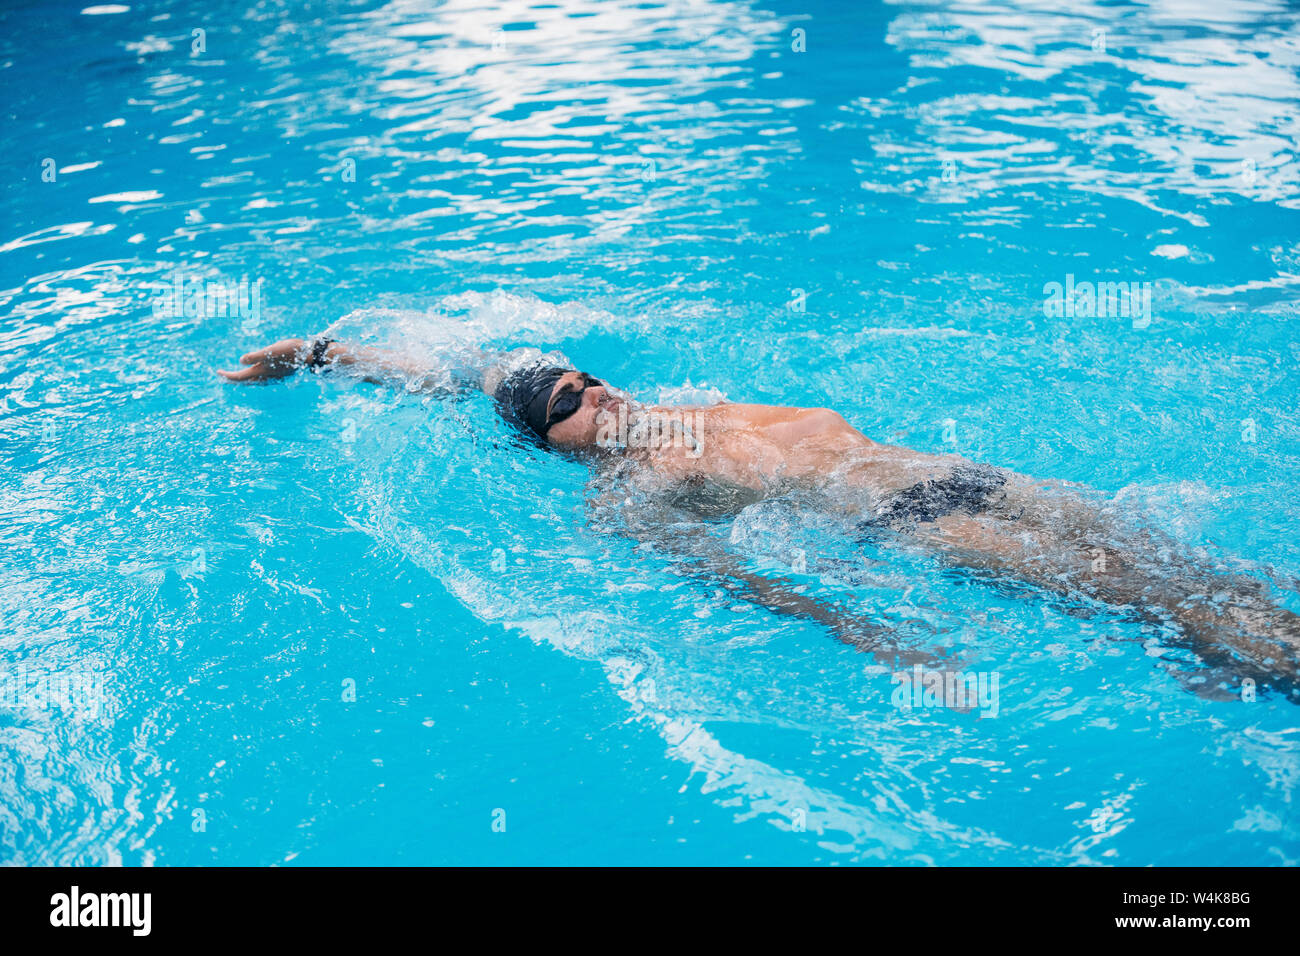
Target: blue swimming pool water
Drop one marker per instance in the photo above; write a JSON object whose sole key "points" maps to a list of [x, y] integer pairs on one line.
{"points": [[857, 206]]}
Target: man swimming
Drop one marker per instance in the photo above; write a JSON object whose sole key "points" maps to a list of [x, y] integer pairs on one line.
{"points": [[711, 461]]}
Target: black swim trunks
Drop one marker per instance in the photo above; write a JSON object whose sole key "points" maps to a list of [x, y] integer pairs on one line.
{"points": [[969, 489]]}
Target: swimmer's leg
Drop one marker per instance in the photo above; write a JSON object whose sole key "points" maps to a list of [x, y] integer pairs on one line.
{"points": [[1228, 620]]}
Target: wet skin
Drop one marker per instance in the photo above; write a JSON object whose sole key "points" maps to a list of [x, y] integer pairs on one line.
{"points": [[1050, 534], [1054, 535]]}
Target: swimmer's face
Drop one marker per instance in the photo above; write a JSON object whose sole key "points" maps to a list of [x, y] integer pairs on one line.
{"points": [[580, 429]]}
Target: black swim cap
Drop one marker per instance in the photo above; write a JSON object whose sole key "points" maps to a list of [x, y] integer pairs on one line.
{"points": [[523, 395]]}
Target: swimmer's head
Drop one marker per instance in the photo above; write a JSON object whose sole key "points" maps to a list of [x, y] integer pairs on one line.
{"points": [[555, 406]]}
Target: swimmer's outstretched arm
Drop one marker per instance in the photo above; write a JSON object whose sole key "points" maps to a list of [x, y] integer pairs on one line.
{"points": [[285, 357], [470, 369]]}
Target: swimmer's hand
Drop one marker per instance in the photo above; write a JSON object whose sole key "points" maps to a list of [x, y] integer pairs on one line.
{"points": [[415, 373], [275, 361]]}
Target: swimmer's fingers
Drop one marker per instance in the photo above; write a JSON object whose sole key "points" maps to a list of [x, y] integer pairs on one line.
{"points": [[253, 373], [274, 361]]}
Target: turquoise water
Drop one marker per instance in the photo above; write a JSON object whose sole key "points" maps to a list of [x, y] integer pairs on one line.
{"points": [[277, 611]]}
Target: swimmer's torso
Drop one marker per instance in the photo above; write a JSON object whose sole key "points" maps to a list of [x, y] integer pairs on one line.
{"points": [[719, 458]]}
